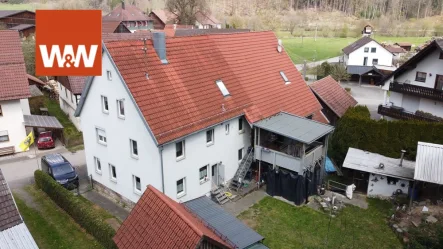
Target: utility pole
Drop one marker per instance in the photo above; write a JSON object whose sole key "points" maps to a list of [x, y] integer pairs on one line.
{"points": [[304, 69], [315, 37]]}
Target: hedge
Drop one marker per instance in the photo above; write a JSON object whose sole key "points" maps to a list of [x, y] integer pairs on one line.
{"points": [[83, 214], [356, 129]]}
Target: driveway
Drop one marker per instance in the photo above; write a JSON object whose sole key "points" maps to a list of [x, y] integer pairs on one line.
{"points": [[368, 95], [316, 63]]}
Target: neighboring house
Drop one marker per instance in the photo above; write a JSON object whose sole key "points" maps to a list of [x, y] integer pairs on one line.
{"points": [[334, 99], [416, 86], [24, 30], [162, 18], [192, 32], [114, 27], [155, 117], [13, 231], [367, 31], [380, 176], [70, 90], [157, 221], [397, 51], [131, 16], [366, 54], [14, 92], [12, 18], [405, 45]]}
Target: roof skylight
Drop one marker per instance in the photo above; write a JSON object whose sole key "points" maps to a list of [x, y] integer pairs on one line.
{"points": [[283, 75], [222, 88]]}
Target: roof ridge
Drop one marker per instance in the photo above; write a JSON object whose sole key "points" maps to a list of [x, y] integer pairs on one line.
{"points": [[167, 201]]}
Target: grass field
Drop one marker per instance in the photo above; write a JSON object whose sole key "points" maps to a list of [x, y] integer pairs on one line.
{"points": [[50, 226], [286, 226], [310, 50], [22, 6]]}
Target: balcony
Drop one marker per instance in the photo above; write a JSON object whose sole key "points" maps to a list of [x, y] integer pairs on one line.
{"points": [[429, 93], [400, 113]]}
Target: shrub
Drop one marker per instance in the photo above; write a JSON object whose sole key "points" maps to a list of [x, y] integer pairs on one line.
{"points": [[86, 217], [348, 89], [426, 236], [356, 129]]}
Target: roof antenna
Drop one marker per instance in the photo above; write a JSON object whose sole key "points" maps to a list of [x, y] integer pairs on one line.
{"points": [[223, 108], [145, 48]]}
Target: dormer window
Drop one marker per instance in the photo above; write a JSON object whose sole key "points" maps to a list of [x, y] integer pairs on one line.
{"points": [[283, 75], [222, 88]]}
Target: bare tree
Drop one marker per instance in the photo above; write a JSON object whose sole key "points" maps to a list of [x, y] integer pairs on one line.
{"points": [[186, 10]]}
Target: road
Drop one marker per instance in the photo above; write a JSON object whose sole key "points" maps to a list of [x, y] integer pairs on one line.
{"points": [[316, 63], [20, 171]]}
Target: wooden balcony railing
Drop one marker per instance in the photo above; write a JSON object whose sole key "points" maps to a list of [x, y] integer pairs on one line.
{"points": [[429, 93], [399, 113]]}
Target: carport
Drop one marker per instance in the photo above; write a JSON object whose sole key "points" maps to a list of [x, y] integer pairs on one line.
{"points": [[49, 123], [368, 74]]}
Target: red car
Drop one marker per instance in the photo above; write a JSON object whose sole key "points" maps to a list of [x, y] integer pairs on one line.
{"points": [[45, 140]]}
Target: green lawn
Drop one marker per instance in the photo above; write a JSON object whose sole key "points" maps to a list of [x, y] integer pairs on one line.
{"points": [[50, 226], [287, 226], [310, 50], [22, 6]]}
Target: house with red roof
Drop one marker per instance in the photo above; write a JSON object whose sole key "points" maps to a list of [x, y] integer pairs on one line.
{"points": [[14, 92], [70, 90], [334, 99], [161, 18], [159, 222], [190, 114], [132, 17], [22, 21]]}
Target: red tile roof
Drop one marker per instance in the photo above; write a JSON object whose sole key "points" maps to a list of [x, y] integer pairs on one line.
{"points": [[111, 26], [32, 80], [395, 49], [129, 13], [106, 37], [159, 222], [77, 83], [165, 16], [181, 97], [333, 95], [13, 77]]}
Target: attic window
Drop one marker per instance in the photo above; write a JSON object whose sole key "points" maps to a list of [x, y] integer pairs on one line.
{"points": [[283, 75], [222, 88]]}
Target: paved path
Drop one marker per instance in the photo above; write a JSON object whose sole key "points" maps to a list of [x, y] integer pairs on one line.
{"points": [[368, 95], [236, 208], [107, 204], [316, 63]]}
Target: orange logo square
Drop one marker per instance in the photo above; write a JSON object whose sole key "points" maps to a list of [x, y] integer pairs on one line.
{"points": [[68, 42]]}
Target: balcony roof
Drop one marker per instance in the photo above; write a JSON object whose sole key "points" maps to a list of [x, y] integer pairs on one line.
{"points": [[295, 127]]}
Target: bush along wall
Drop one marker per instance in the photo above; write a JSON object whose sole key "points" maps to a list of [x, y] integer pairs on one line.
{"points": [[356, 129], [79, 211]]}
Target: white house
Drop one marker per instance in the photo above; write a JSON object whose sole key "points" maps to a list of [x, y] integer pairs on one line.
{"points": [[367, 52], [70, 90], [14, 92], [415, 89], [181, 114]]}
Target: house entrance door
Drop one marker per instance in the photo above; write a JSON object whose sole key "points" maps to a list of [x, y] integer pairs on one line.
{"points": [[439, 82], [215, 174], [365, 61]]}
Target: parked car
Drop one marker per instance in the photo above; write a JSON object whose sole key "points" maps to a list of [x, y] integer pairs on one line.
{"points": [[45, 140], [61, 170]]}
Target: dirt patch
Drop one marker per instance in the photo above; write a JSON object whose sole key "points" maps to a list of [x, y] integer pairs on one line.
{"points": [[113, 222], [252, 223]]}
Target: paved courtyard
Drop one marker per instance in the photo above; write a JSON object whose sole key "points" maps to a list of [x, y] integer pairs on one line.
{"points": [[368, 95]]}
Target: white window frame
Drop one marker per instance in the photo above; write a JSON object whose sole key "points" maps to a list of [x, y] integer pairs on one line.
{"points": [[105, 110], [241, 119], [4, 133], [111, 177], [227, 129], [131, 145], [205, 178], [119, 103], [109, 75], [182, 156], [242, 154], [134, 180], [97, 162], [101, 141], [209, 143], [375, 50], [222, 88], [183, 192], [366, 50], [285, 78]]}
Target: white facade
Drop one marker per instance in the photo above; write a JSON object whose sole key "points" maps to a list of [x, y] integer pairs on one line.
{"points": [[431, 66], [147, 166], [68, 103], [11, 122], [357, 57], [379, 186]]}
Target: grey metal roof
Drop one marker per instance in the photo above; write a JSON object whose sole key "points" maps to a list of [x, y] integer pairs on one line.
{"points": [[42, 121], [17, 237], [258, 246], [370, 162], [357, 44], [360, 69], [429, 163], [223, 222], [298, 128], [35, 92]]}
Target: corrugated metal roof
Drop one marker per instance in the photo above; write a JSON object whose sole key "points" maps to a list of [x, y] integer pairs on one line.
{"points": [[223, 222], [298, 128], [429, 163], [370, 162], [359, 69], [17, 237], [42, 121]]}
